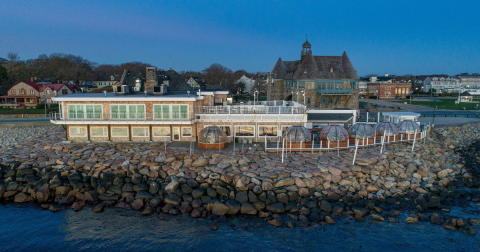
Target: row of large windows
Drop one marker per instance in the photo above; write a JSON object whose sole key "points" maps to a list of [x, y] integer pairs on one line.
{"points": [[142, 131], [310, 85], [122, 131], [249, 130], [124, 111]]}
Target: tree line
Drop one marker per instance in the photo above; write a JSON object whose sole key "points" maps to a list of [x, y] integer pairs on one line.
{"points": [[68, 68]]}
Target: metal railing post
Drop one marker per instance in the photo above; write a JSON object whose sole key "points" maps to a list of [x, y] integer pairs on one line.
{"points": [[414, 138]]}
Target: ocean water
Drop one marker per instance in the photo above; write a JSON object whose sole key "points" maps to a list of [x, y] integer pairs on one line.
{"points": [[26, 227]]}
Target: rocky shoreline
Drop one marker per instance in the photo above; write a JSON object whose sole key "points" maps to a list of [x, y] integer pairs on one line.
{"points": [[307, 189]]}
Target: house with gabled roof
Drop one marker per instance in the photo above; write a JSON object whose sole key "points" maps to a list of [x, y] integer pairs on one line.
{"points": [[27, 94]]}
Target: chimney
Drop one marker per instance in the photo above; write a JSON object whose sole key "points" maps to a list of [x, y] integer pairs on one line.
{"points": [[32, 79]]}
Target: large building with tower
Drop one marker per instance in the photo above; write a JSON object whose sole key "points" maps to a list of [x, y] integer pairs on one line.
{"points": [[325, 82]]}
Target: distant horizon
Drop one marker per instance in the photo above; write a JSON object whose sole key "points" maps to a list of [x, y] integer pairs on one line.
{"points": [[379, 37]]}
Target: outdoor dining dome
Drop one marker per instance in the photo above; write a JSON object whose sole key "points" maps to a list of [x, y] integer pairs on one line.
{"points": [[334, 136], [407, 129], [212, 138], [298, 136], [387, 129], [363, 132]]}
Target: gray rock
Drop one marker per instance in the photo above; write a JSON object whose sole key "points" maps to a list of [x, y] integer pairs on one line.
{"points": [[241, 197], [171, 187], [219, 209], [154, 188], [247, 208], [233, 206], [137, 178], [137, 204], [143, 195], [172, 199]]}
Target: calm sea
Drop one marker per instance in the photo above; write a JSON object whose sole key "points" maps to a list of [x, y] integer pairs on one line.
{"points": [[29, 228]]}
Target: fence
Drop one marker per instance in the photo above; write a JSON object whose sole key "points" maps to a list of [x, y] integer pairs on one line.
{"points": [[285, 146]]}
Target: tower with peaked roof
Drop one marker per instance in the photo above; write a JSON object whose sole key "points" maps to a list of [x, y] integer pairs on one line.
{"points": [[326, 81]]}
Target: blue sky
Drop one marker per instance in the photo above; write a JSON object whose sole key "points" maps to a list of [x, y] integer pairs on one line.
{"points": [[398, 37]]}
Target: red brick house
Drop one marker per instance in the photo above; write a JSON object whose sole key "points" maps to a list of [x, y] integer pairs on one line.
{"points": [[389, 90]]}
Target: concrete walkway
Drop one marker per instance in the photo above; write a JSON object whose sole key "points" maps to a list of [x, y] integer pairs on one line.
{"points": [[447, 121], [25, 122]]}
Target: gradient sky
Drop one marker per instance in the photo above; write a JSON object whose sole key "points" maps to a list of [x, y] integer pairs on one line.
{"points": [[398, 37]]}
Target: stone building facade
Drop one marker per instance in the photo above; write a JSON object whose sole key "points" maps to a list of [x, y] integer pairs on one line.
{"points": [[316, 81]]}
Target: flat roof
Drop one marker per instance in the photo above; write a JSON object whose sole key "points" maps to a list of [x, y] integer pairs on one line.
{"points": [[128, 97]]}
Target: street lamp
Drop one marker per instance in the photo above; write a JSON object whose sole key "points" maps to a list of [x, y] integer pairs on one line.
{"points": [[303, 92], [297, 97]]}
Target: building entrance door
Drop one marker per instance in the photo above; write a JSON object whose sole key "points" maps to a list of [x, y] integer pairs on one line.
{"points": [[176, 133]]}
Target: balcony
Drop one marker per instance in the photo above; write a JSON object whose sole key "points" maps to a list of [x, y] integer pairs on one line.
{"points": [[123, 118], [334, 91], [292, 112]]}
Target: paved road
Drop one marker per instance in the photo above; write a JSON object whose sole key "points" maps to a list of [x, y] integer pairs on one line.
{"points": [[31, 119], [402, 106]]}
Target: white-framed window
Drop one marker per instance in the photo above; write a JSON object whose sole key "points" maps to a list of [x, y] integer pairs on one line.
{"points": [[77, 131], [130, 111], [140, 132], [226, 128], [161, 131], [98, 131], [48, 91], [170, 111], [32, 92], [268, 131], [119, 131], [90, 111], [186, 131], [244, 131]]}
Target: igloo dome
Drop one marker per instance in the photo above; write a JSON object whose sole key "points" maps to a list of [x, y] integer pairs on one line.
{"points": [[387, 129], [363, 132], [212, 138], [296, 135], [334, 136], [407, 129]]}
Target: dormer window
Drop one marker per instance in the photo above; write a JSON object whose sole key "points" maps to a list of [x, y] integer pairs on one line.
{"points": [[330, 69]]}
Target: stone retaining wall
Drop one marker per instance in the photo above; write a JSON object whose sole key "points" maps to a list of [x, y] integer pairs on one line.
{"points": [[304, 190]]}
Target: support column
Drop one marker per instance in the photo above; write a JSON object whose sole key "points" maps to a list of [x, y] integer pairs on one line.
{"points": [[130, 133], [151, 133], [88, 132]]}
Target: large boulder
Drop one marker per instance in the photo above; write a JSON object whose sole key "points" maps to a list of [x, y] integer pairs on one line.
{"points": [[219, 208], [171, 187], [43, 193], [200, 162]]}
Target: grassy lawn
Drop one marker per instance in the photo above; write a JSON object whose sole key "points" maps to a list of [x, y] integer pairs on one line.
{"points": [[362, 103], [442, 104], [10, 111]]}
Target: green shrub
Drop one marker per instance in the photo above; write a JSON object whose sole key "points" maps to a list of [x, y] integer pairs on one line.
{"points": [[53, 106], [372, 97], [40, 106]]}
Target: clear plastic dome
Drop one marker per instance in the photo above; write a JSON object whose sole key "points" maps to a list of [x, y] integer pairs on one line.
{"points": [[408, 127], [212, 135], [385, 128], [361, 131], [297, 134], [334, 133]]}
